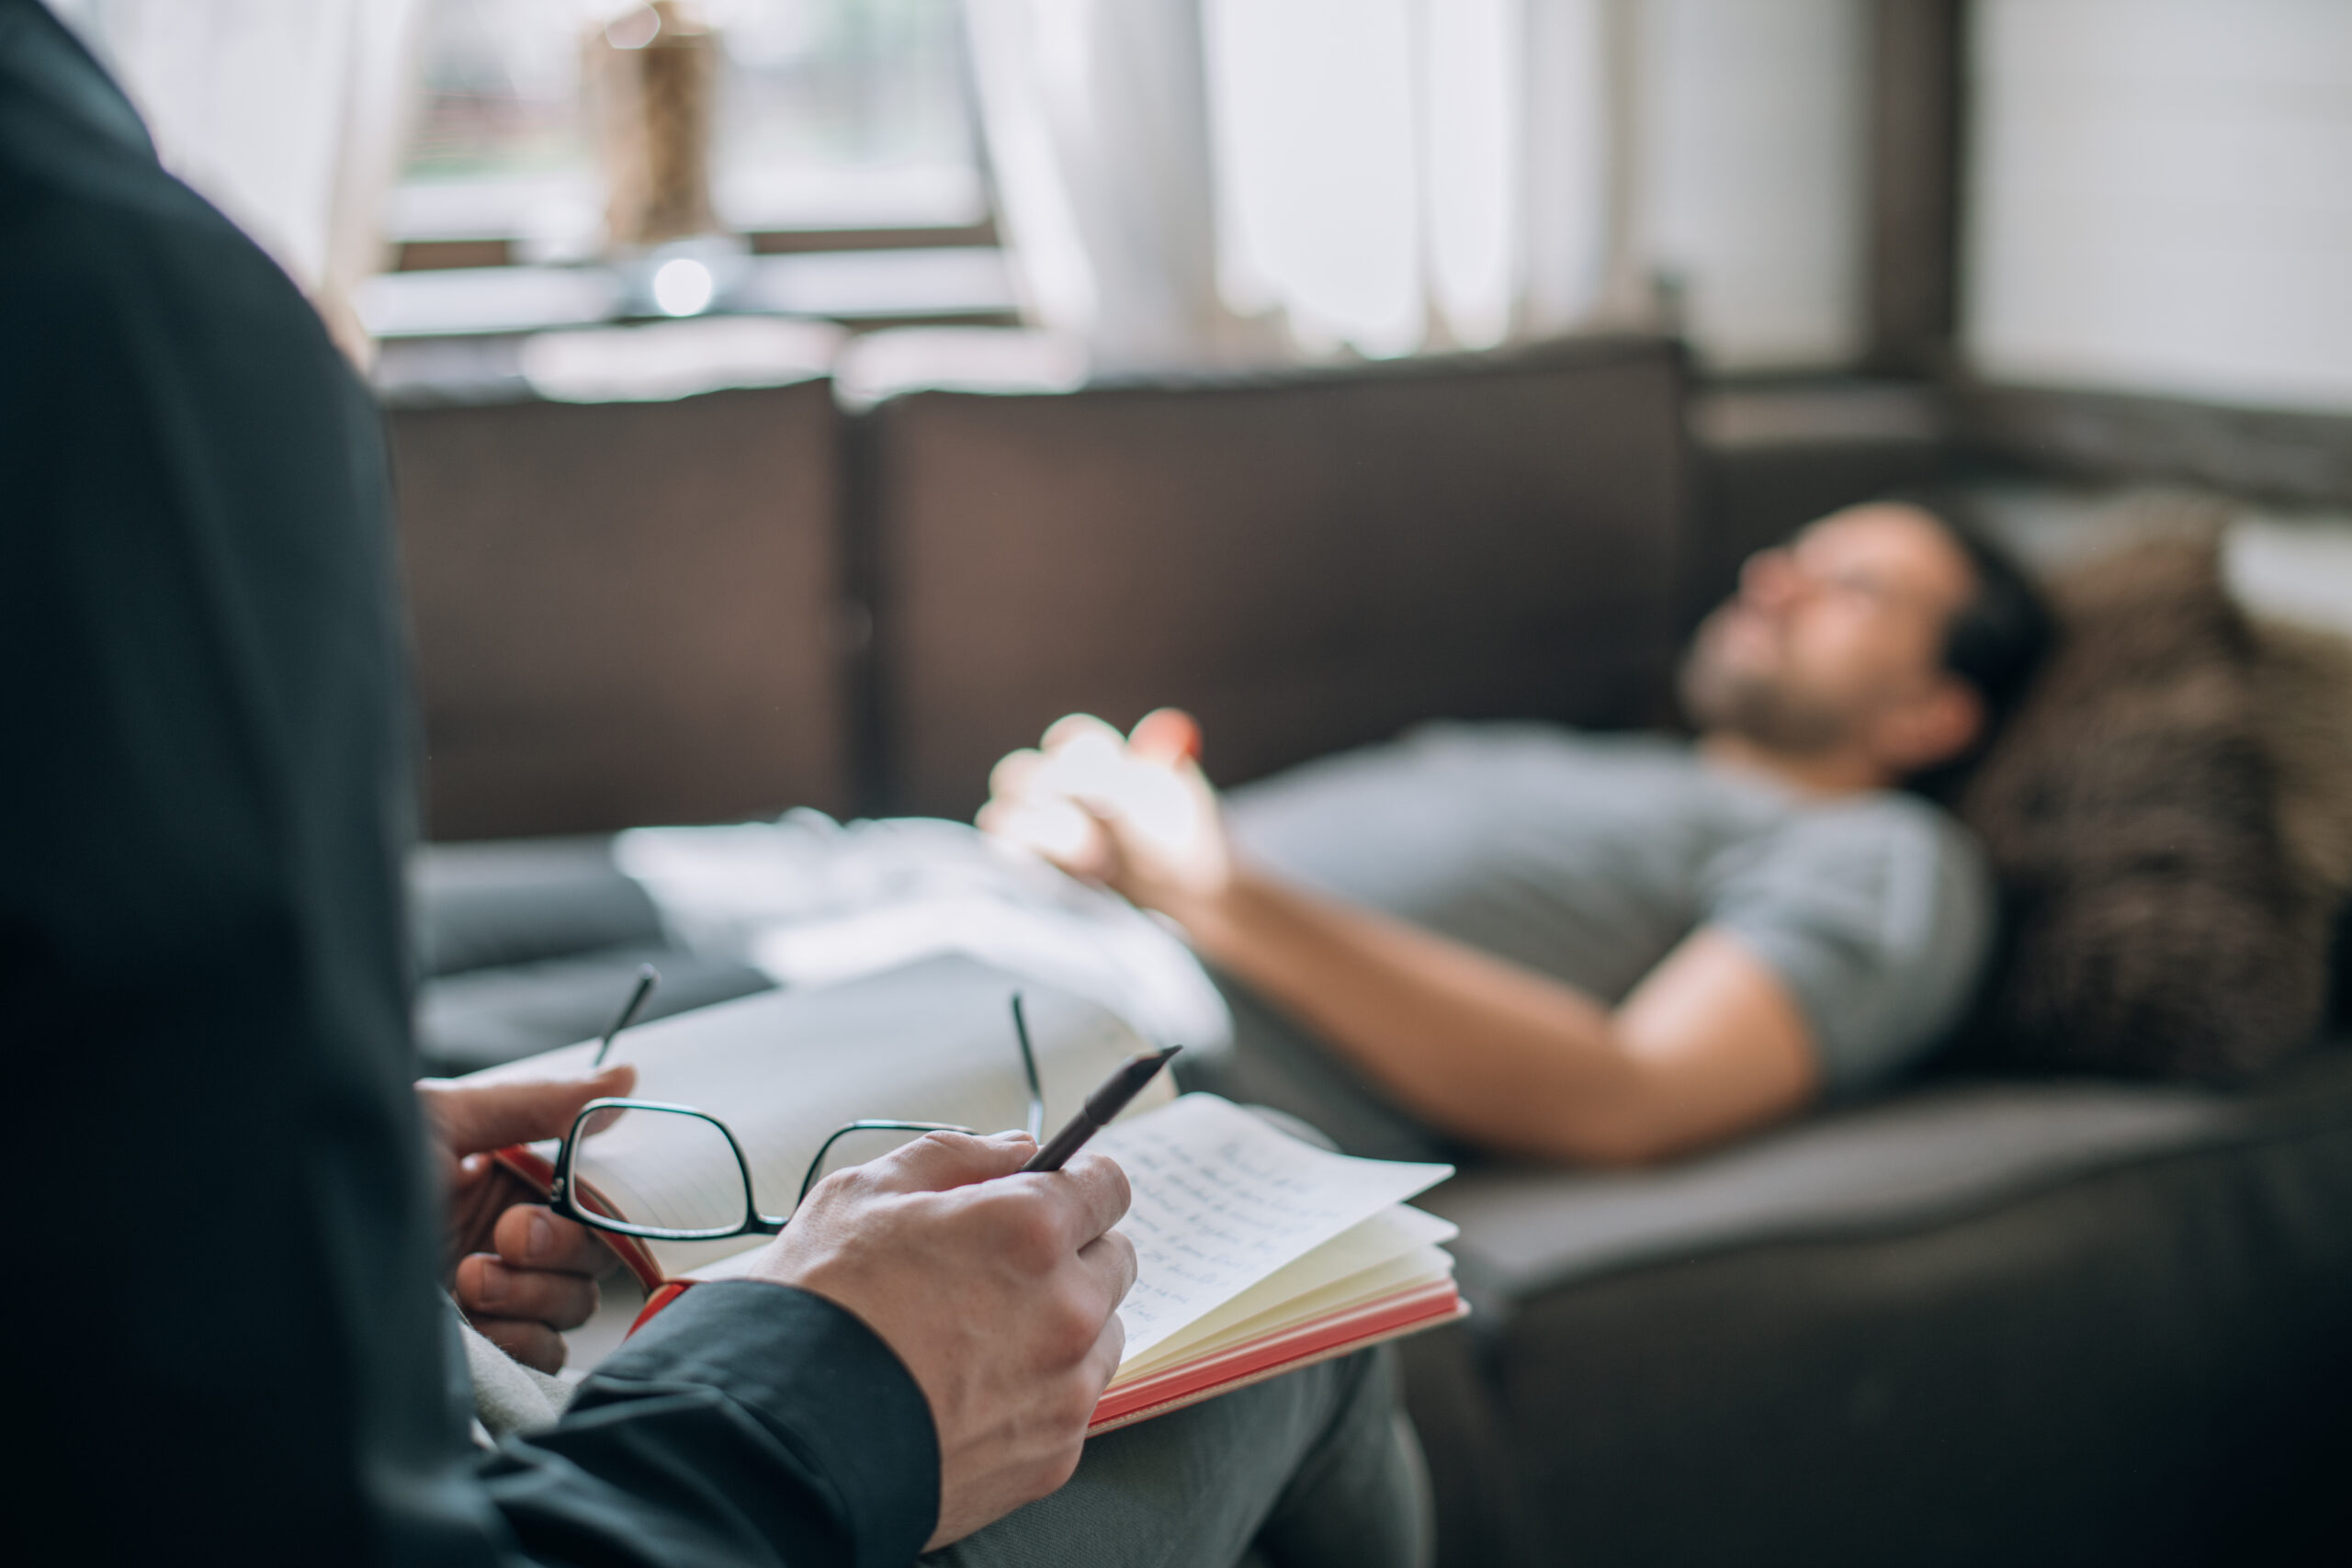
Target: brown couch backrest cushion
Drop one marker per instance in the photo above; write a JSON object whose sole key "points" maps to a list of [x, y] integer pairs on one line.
{"points": [[2158, 922], [1306, 562], [625, 613]]}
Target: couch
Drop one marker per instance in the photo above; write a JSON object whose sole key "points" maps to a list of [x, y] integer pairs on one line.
{"points": [[1979, 1319]]}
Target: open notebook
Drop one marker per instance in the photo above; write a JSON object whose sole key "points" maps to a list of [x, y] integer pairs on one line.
{"points": [[1257, 1253]]}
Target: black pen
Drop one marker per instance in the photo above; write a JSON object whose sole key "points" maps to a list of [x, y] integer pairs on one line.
{"points": [[1104, 1103]]}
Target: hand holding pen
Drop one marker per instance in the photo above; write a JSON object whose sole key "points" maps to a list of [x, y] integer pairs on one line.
{"points": [[1111, 1097]]}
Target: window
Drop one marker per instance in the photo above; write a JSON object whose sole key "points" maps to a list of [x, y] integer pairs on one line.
{"points": [[832, 115]]}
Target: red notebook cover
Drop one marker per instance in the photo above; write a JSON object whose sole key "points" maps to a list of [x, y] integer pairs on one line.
{"points": [[1302, 1345]]}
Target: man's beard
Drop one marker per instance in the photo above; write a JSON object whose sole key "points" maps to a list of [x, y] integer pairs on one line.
{"points": [[1754, 706]]}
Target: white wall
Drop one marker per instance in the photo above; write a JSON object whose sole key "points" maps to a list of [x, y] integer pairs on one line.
{"points": [[1753, 180], [2161, 200]]}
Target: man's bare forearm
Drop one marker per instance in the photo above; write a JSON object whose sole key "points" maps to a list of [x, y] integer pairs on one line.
{"points": [[1710, 1045], [1478, 1048]]}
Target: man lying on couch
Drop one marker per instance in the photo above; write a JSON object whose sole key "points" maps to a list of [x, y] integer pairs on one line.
{"points": [[1603, 949]]}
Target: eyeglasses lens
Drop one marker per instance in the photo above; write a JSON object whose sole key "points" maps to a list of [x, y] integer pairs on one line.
{"points": [[665, 1170]]}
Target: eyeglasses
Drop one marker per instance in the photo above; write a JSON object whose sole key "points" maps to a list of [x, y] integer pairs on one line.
{"points": [[687, 1177]]}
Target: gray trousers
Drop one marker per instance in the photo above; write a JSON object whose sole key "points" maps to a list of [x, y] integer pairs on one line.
{"points": [[1317, 1468]]}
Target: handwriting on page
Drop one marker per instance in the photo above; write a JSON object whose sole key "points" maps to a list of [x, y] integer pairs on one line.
{"points": [[1222, 1200]]}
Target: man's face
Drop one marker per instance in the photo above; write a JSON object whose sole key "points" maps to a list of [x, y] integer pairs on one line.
{"points": [[1836, 640]]}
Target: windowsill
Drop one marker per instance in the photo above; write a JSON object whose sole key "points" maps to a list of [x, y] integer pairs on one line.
{"points": [[965, 285], [664, 361], [555, 219], [1827, 409], [446, 254]]}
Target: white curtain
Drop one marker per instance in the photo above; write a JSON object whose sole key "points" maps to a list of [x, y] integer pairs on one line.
{"points": [[1402, 174], [1393, 177], [1096, 119], [289, 115]]}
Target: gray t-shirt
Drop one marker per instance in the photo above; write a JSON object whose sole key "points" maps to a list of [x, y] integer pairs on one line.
{"points": [[1589, 857]]}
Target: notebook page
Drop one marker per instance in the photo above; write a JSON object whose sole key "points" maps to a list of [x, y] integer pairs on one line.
{"points": [[1421, 1267], [1222, 1201], [1351, 1256]]}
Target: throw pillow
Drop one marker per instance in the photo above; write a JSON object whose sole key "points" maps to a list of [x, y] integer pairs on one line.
{"points": [[2304, 684], [2157, 923]]}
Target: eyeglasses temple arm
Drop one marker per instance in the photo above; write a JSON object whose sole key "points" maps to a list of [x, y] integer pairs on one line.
{"points": [[647, 979], [844, 1130], [1029, 1069]]}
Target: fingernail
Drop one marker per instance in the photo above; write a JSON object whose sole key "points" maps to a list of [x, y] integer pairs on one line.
{"points": [[541, 1240], [491, 1288]]}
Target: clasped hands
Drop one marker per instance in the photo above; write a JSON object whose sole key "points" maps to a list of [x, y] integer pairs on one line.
{"points": [[1134, 813]]}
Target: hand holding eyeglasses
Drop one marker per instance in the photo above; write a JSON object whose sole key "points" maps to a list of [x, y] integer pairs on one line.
{"points": [[521, 1273], [997, 1286]]}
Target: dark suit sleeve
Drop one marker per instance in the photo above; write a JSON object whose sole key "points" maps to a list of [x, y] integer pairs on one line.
{"points": [[227, 1340], [751, 1414]]}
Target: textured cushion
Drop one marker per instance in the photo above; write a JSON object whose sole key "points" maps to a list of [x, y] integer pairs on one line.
{"points": [[2303, 695], [2158, 922], [2304, 692]]}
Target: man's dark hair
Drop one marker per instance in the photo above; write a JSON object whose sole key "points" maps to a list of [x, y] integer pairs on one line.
{"points": [[1998, 638]]}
